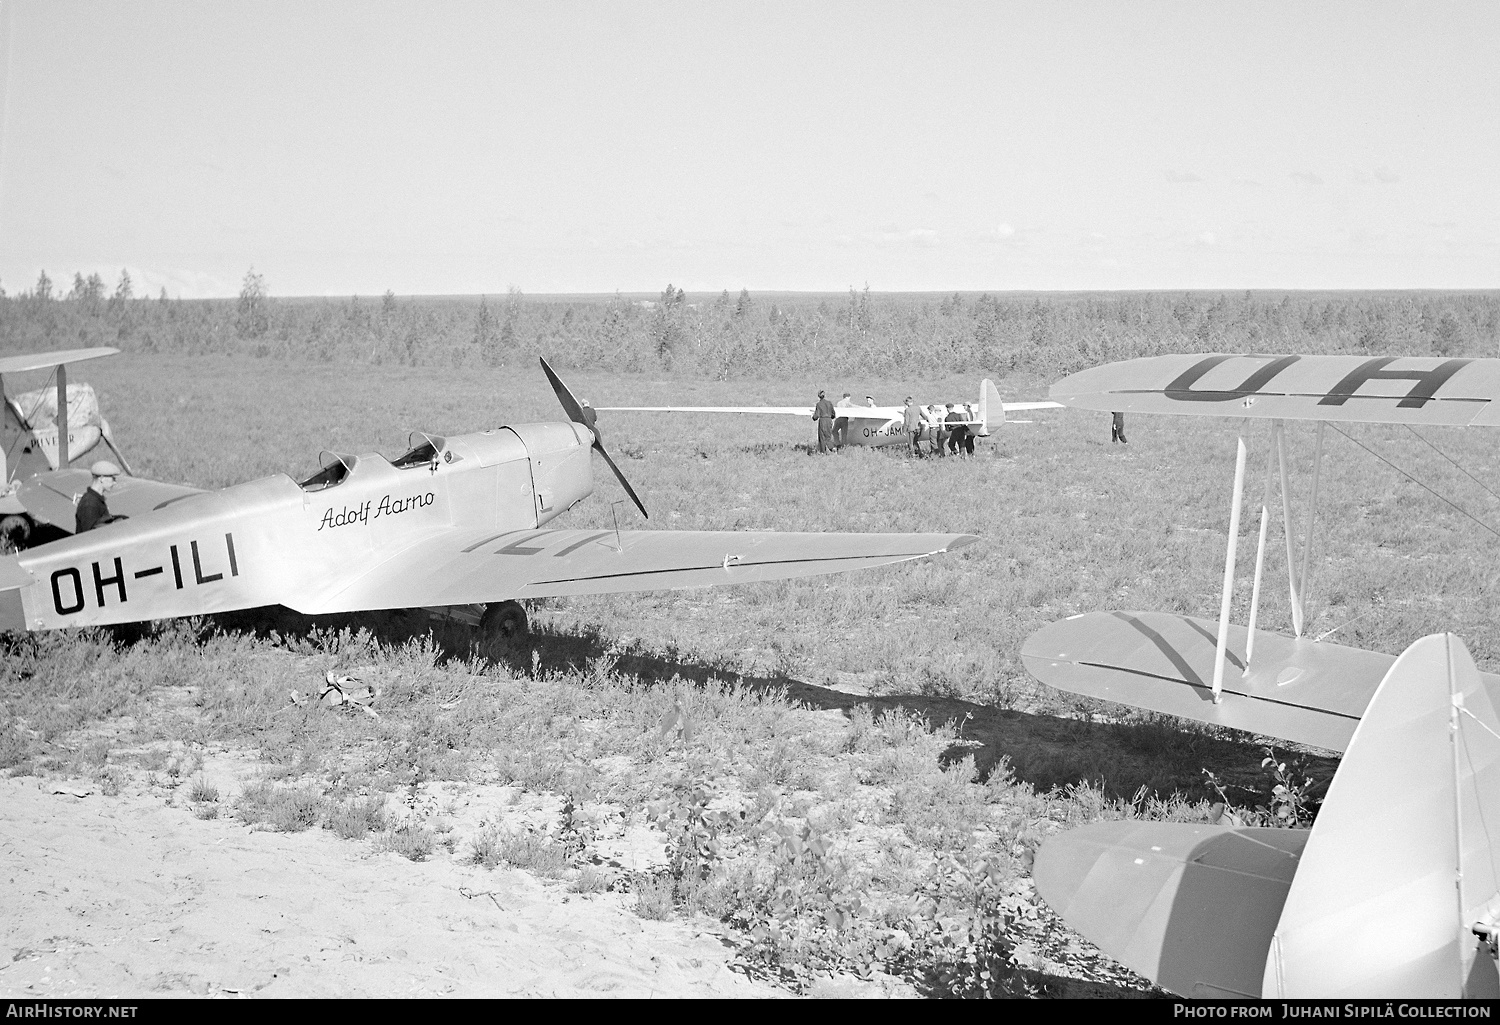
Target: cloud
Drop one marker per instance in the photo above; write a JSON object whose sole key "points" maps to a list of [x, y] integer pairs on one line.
{"points": [[1000, 233], [181, 284], [1386, 175], [1306, 178], [890, 234], [1181, 177], [1206, 238]]}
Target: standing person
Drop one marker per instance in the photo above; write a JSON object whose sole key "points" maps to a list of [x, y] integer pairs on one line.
{"points": [[1117, 429], [870, 400], [934, 419], [958, 433], [823, 414], [841, 425], [93, 511], [955, 428], [911, 417]]}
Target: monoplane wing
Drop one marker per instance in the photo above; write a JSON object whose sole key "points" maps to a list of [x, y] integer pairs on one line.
{"points": [[802, 411], [53, 497], [1191, 907], [1415, 390], [459, 568]]}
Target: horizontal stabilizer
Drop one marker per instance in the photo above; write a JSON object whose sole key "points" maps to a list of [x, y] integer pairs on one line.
{"points": [[53, 497], [48, 360], [468, 568], [1300, 690], [1191, 907], [1413, 390], [12, 575]]}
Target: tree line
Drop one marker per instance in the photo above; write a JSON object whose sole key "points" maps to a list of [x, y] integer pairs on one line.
{"points": [[1046, 334]]}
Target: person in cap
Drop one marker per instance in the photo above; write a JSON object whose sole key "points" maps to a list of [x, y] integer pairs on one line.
{"points": [[93, 511], [823, 414], [958, 432], [870, 401], [912, 419]]}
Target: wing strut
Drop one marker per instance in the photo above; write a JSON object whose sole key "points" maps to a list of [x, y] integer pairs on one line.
{"points": [[1312, 509], [62, 416], [1229, 556], [1260, 552]]}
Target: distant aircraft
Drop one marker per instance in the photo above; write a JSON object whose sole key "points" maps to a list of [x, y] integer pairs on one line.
{"points": [[33, 419], [455, 521], [44, 430], [1395, 891], [870, 425]]}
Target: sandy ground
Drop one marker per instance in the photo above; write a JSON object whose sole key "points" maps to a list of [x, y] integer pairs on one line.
{"points": [[128, 896]]}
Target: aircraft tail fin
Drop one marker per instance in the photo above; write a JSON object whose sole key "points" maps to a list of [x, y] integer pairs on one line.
{"points": [[1411, 810], [989, 406]]}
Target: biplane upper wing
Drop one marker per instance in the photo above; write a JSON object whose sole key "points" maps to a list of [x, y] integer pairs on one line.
{"points": [[458, 568], [48, 360], [1310, 692], [1190, 906], [53, 497], [1415, 390]]}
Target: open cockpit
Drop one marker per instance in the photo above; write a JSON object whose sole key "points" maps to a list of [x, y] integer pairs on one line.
{"points": [[335, 470]]}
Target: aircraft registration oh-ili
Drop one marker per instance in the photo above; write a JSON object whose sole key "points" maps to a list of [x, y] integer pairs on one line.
{"points": [[1395, 891], [870, 426], [455, 521]]}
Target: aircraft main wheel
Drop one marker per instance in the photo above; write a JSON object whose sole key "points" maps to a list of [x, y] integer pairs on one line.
{"points": [[506, 619]]}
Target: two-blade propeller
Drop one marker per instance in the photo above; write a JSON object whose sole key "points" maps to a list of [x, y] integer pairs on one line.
{"points": [[575, 413]]}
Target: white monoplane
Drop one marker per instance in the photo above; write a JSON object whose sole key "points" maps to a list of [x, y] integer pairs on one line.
{"points": [[1395, 891], [456, 521], [875, 425]]}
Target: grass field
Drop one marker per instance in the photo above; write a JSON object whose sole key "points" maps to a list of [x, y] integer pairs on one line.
{"points": [[865, 758]]}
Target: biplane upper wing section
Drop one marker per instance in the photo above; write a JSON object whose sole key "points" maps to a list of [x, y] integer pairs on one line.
{"points": [[1190, 906], [1301, 690], [53, 497], [470, 567], [48, 360], [1416, 390]]}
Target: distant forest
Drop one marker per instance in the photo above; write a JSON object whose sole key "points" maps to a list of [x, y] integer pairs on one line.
{"points": [[728, 335]]}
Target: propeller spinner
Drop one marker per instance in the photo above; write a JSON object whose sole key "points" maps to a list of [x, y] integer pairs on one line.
{"points": [[575, 413]]}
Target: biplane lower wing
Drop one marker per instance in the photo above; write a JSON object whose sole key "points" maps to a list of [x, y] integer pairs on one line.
{"points": [[1301, 690], [1190, 906], [467, 568]]}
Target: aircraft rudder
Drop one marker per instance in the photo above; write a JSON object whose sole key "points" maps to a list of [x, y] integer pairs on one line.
{"points": [[989, 406]]}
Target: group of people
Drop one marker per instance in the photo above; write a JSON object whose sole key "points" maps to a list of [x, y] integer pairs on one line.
{"points": [[945, 430]]}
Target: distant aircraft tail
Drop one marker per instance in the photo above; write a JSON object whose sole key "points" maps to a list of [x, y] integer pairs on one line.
{"points": [[989, 405]]}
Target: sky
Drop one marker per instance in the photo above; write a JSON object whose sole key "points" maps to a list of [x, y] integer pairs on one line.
{"points": [[344, 148]]}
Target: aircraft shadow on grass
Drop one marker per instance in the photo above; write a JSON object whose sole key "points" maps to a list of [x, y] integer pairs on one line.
{"points": [[1127, 760]]}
